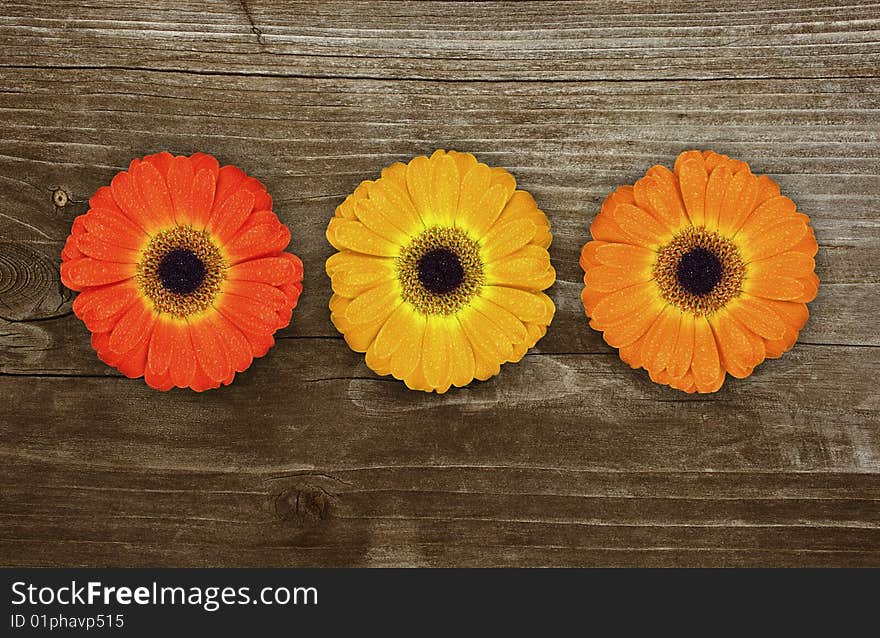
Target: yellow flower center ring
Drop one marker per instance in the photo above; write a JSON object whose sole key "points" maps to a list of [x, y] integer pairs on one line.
{"points": [[181, 271], [699, 271], [440, 271]]}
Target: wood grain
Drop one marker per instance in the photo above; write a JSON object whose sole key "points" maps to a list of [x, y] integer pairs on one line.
{"points": [[568, 458]]}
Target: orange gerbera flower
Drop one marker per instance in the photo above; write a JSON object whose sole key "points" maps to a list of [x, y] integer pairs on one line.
{"points": [[700, 272], [181, 271]]}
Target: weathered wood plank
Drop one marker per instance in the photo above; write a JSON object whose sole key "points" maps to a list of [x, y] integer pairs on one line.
{"points": [[623, 40], [406, 515], [312, 402], [568, 458]]}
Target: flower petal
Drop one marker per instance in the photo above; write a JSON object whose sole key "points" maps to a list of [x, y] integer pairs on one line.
{"points": [[78, 274], [767, 189], [154, 193], [487, 339], [128, 199], [229, 180], [202, 161], [446, 184], [529, 272], [640, 227], [521, 205], [395, 204], [161, 161], [70, 250], [373, 304], [810, 284], [505, 239], [622, 195], [389, 336], [790, 264], [624, 303], [632, 327], [360, 336], [625, 256], [355, 236], [250, 318], [738, 203], [180, 187], [374, 218], [229, 215], [733, 345], [526, 305], [658, 345], [758, 316], [509, 323], [693, 178], [103, 199], [204, 186], [435, 351], [114, 228], [160, 382], [258, 241], [133, 362], [489, 208], [407, 355], [682, 355], [133, 327], [418, 183], [588, 253], [162, 341], [807, 244], [99, 308], [775, 239], [768, 213], [269, 270], [209, 349], [257, 293], [773, 287], [461, 355], [182, 367], [655, 195], [706, 364], [716, 188], [794, 316], [95, 247], [260, 342], [604, 228], [608, 279]]}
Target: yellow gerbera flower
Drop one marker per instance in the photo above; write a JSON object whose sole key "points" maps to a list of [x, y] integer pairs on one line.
{"points": [[440, 269]]}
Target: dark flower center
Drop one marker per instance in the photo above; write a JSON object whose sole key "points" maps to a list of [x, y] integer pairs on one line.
{"points": [[699, 271], [181, 271], [440, 271]]}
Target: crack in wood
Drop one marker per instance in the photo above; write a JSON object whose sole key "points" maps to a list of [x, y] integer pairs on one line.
{"points": [[254, 28], [440, 79]]}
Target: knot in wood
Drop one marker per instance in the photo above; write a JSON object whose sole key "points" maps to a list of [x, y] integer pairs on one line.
{"points": [[60, 198], [304, 504]]}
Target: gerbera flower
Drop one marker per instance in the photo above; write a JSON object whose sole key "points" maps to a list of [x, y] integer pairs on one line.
{"points": [[181, 271], [440, 269], [700, 272]]}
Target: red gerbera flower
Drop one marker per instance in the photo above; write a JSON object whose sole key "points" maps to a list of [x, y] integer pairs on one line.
{"points": [[181, 271]]}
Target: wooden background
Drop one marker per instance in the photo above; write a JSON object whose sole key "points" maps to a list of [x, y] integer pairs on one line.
{"points": [[568, 458]]}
